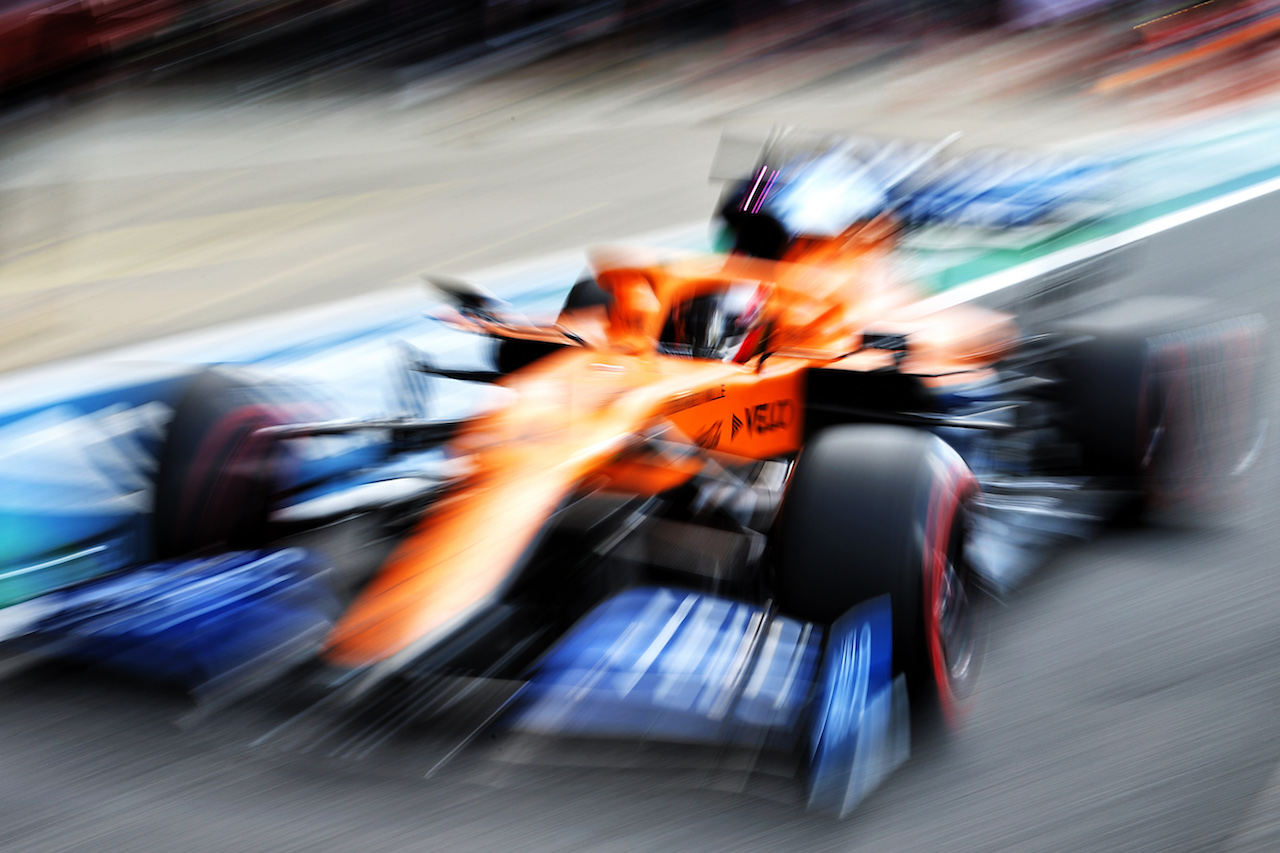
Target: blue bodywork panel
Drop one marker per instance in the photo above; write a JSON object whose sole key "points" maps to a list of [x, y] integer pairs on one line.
{"points": [[673, 665], [76, 488], [860, 726], [683, 666], [189, 622]]}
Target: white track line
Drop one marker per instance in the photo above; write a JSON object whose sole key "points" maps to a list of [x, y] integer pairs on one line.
{"points": [[1063, 258]]}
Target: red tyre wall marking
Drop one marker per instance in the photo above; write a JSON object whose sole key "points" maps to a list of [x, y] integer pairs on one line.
{"points": [[231, 444], [954, 484]]}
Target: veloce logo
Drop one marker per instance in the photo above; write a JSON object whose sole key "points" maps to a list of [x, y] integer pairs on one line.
{"points": [[763, 418]]}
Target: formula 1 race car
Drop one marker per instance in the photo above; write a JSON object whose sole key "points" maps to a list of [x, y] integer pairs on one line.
{"points": [[756, 497]]}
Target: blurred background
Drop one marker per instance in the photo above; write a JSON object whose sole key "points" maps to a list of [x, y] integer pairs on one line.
{"points": [[172, 165]]}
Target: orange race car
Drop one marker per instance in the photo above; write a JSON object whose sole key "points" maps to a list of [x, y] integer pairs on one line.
{"points": [[750, 497], [797, 389]]}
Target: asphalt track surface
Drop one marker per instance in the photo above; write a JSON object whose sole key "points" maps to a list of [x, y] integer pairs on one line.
{"points": [[1127, 703]]}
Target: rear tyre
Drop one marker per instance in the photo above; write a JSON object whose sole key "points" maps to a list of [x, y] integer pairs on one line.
{"points": [[1166, 401], [874, 510], [217, 472]]}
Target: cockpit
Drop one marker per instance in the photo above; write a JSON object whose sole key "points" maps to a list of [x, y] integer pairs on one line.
{"points": [[722, 324]]}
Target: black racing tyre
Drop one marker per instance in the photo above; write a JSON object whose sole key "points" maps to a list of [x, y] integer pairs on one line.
{"points": [[1164, 396], [873, 510], [217, 471]]}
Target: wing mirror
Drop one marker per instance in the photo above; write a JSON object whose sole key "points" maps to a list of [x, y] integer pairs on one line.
{"points": [[469, 299]]}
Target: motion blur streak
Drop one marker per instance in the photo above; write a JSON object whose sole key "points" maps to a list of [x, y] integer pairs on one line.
{"points": [[170, 166]]}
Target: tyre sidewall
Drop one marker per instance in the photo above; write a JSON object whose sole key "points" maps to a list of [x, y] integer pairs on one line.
{"points": [[874, 510]]}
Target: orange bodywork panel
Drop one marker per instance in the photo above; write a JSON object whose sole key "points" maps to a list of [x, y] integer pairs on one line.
{"points": [[575, 414], [621, 415]]}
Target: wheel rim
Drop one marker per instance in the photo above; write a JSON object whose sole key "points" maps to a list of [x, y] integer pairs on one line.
{"points": [[955, 625], [953, 600], [957, 607]]}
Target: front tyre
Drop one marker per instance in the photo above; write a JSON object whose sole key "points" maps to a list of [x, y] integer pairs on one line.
{"points": [[874, 510], [217, 470]]}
